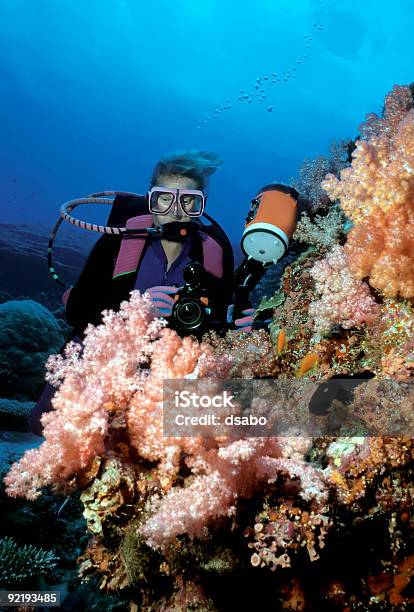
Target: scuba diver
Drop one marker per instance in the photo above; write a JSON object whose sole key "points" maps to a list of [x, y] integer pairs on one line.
{"points": [[158, 244], [120, 263], [176, 202]]}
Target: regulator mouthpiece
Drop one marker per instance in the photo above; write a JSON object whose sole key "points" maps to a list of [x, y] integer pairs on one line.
{"points": [[270, 223]]}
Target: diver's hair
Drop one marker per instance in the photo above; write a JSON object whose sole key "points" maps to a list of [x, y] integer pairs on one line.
{"points": [[198, 165]]}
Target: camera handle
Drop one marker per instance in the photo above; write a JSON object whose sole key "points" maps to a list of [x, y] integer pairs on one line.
{"points": [[245, 279]]}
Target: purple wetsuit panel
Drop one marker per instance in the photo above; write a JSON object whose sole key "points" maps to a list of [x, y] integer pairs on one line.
{"points": [[153, 268]]}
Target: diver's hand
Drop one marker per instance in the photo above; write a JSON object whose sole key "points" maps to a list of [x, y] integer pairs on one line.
{"points": [[162, 299], [245, 323]]}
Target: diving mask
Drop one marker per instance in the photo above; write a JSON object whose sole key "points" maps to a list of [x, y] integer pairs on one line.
{"points": [[162, 199]]}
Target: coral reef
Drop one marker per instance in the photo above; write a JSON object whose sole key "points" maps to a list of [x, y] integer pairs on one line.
{"points": [[323, 231], [237, 470], [16, 408], [377, 194], [270, 282], [222, 469], [12, 447], [19, 562], [229, 521], [344, 299], [283, 527], [313, 171], [29, 333]]}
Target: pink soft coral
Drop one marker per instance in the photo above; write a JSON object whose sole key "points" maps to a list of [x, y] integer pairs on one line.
{"points": [[104, 374], [344, 300], [225, 473], [109, 383]]}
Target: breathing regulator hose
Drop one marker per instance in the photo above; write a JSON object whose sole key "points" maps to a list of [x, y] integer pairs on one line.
{"points": [[102, 197]]}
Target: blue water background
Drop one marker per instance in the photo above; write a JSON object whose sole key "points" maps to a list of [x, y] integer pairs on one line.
{"points": [[93, 92]]}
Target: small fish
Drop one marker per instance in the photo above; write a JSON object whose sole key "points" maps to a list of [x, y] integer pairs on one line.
{"points": [[322, 399], [335, 389], [270, 108], [307, 363], [281, 341]]}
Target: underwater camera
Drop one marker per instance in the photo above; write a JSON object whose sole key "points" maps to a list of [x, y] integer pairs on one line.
{"points": [[191, 312]]}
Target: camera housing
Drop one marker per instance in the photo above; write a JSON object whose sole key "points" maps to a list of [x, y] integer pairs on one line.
{"points": [[191, 312]]}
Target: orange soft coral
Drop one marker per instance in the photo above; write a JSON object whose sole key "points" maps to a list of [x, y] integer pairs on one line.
{"points": [[382, 248], [377, 193], [381, 175]]}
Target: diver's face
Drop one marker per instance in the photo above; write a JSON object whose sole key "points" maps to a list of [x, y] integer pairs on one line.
{"points": [[174, 182]]}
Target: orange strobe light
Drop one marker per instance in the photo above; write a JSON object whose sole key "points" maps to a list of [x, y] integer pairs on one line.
{"points": [[270, 223]]}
